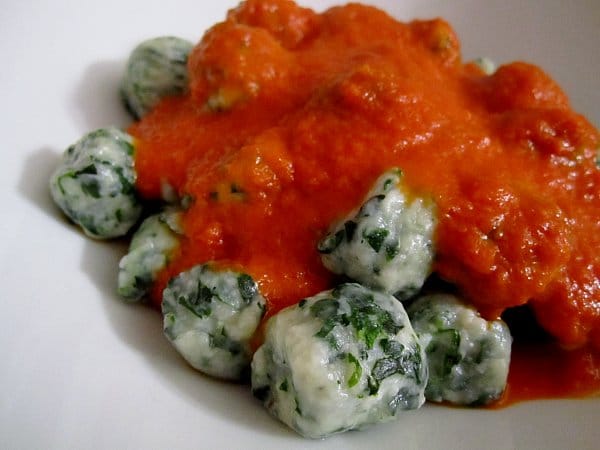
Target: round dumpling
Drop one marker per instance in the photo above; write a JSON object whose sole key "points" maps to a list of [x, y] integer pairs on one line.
{"points": [[340, 360], [94, 184], [386, 244], [210, 316], [468, 356]]}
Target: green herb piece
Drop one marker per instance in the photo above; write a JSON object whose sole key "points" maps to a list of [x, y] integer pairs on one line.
{"points": [[376, 237], [356, 374]]}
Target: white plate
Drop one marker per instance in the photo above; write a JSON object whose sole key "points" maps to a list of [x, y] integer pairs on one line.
{"points": [[79, 368]]}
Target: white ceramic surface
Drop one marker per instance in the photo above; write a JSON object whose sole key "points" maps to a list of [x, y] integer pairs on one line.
{"points": [[79, 369]]}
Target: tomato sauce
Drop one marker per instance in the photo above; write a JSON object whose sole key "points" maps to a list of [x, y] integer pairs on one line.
{"points": [[548, 371], [292, 115]]}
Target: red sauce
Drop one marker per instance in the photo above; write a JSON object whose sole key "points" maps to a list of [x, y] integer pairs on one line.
{"points": [[547, 371], [292, 115]]}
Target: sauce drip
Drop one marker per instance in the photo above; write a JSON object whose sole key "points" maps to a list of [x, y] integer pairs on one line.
{"points": [[292, 115]]}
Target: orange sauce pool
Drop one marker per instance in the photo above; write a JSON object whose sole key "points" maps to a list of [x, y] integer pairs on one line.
{"points": [[292, 115], [547, 371]]}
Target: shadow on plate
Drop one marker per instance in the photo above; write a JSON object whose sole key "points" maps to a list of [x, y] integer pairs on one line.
{"points": [[96, 103], [33, 182], [97, 100]]}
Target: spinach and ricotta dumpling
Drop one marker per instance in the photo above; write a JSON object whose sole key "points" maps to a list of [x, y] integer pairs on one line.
{"points": [[338, 361], [149, 253], [468, 356], [94, 184], [387, 243], [156, 68], [210, 315]]}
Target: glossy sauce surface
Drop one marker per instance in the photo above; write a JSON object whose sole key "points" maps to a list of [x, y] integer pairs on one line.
{"points": [[292, 115]]}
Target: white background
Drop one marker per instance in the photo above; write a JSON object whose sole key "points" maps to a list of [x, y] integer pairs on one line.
{"points": [[79, 369]]}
